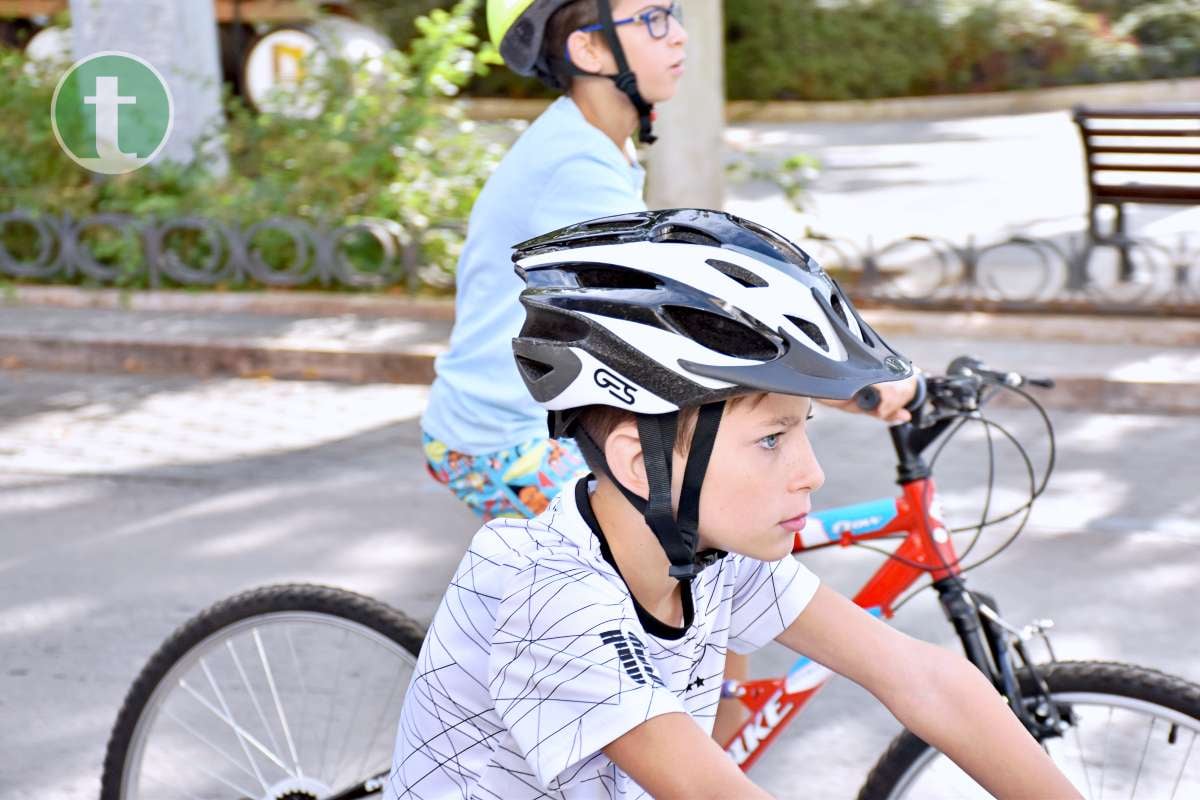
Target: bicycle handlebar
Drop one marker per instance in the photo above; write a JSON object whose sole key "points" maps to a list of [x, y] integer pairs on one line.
{"points": [[958, 390]]}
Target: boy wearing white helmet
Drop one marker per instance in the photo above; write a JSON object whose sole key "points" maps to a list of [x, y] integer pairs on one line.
{"points": [[580, 654]]}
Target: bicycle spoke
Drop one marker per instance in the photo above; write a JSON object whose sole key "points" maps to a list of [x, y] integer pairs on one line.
{"points": [[287, 732], [1142, 762], [379, 727], [249, 737], [262, 717], [1186, 758], [287, 636], [209, 744], [362, 690], [1104, 752], [236, 728], [242, 791], [1087, 775], [337, 673]]}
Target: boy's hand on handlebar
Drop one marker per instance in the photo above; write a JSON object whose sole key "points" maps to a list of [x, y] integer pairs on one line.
{"points": [[886, 401]]}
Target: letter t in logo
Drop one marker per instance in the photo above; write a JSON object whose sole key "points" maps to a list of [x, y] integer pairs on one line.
{"points": [[108, 101]]}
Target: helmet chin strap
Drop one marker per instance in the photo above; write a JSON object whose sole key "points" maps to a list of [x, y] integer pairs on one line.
{"points": [[679, 536], [625, 80]]}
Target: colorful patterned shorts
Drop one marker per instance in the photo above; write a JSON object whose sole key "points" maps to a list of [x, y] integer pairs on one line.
{"points": [[517, 482]]}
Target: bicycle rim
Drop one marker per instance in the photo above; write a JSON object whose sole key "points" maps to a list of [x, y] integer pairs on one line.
{"points": [[1116, 747], [288, 704]]}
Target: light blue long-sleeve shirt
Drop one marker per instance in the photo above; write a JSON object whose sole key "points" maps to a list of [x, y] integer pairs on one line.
{"points": [[562, 170]]}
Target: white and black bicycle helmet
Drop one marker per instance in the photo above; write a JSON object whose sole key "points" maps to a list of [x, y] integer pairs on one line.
{"points": [[662, 310]]}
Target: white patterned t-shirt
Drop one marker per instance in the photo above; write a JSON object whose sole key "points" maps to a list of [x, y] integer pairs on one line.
{"points": [[539, 657]]}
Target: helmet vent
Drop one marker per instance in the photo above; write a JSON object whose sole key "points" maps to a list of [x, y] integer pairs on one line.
{"points": [[681, 234], [810, 330], [533, 370], [591, 276], [838, 308], [738, 273], [724, 335], [554, 327]]}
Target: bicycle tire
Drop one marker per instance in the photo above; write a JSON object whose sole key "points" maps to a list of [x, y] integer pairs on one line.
{"points": [[908, 760], [207, 645]]}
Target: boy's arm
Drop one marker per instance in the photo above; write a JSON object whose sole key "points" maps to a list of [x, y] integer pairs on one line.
{"points": [[670, 756], [936, 694]]}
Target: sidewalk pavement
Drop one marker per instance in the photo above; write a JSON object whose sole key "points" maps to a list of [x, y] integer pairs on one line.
{"points": [[1108, 364]]}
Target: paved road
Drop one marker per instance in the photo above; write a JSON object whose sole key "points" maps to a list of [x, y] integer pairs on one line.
{"points": [[128, 503]]}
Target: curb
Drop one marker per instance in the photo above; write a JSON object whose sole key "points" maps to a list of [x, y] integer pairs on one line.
{"points": [[415, 365], [274, 302], [948, 106], [209, 359]]}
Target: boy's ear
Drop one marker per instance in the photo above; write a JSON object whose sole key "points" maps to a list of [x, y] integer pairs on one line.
{"points": [[623, 450], [586, 51]]}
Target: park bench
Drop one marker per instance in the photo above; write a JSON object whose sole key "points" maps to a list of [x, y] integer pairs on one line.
{"points": [[1138, 155]]}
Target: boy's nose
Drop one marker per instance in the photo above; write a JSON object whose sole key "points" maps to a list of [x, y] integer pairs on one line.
{"points": [[808, 476], [678, 33]]}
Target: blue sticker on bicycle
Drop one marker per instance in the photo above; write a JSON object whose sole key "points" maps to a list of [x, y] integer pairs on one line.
{"points": [[856, 519]]}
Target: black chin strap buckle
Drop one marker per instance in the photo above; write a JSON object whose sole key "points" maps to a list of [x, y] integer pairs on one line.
{"points": [[626, 81], [686, 572]]}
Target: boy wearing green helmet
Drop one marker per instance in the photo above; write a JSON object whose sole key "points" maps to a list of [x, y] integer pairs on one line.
{"points": [[484, 436]]}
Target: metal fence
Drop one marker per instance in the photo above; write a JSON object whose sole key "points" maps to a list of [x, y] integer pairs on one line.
{"points": [[1021, 273], [203, 252]]}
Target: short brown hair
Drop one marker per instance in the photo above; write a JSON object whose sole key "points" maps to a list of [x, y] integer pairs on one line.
{"points": [[600, 421], [559, 27]]}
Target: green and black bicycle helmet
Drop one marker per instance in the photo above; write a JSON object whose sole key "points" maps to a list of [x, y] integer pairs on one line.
{"points": [[518, 28], [661, 310]]}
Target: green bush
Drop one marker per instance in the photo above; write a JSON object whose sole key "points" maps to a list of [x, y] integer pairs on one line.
{"points": [[1018, 44], [390, 142], [852, 49], [398, 20], [845, 49], [1169, 34]]}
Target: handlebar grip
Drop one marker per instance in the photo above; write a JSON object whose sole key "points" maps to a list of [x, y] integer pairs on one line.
{"points": [[867, 398]]}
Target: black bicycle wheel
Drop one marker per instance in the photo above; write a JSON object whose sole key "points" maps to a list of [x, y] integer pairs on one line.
{"points": [[1132, 734], [289, 691]]}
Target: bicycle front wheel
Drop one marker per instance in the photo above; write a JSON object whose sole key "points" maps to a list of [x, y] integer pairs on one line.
{"points": [[1132, 734], [289, 691]]}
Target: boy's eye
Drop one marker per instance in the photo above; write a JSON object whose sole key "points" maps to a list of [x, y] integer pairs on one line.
{"points": [[771, 441]]}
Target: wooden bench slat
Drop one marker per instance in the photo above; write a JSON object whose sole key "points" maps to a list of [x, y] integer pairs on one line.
{"points": [[1145, 167], [1136, 133], [1146, 193], [1150, 151]]}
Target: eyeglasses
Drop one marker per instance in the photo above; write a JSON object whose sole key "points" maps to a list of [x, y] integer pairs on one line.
{"points": [[657, 20]]}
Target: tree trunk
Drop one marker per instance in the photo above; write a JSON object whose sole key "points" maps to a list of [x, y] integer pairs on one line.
{"points": [[686, 165], [179, 39]]}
